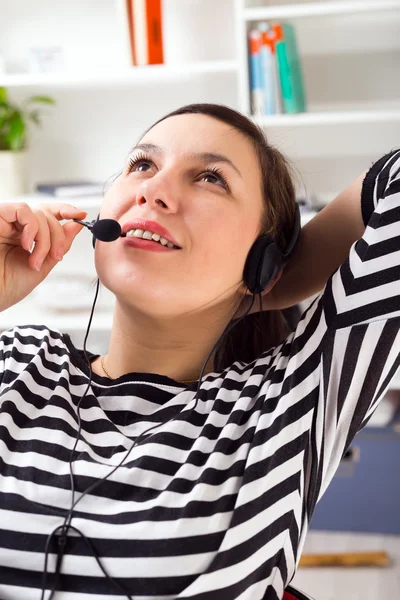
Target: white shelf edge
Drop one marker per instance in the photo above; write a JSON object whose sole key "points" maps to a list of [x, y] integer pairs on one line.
{"points": [[318, 9], [149, 73], [60, 322], [34, 199], [63, 322], [328, 118]]}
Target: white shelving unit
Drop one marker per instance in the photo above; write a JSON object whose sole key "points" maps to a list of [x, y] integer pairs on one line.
{"points": [[350, 53], [350, 56], [331, 34]]}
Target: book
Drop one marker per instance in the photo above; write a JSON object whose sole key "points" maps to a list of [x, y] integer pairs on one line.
{"points": [[290, 74], [278, 103], [269, 72], [290, 35], [146, 32], [256, 73], [71, 189]]}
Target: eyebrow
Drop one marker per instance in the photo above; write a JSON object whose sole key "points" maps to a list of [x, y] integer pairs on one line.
{"points": [[206, 157]]}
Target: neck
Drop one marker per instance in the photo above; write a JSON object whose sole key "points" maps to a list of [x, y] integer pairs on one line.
{"points": [[176, 348]]}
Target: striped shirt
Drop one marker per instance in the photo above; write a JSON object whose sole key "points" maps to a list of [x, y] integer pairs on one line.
{"points": [[216, 502]]}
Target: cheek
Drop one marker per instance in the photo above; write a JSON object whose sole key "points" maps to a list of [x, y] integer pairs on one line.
{"points": [[111, 206], [224, 251]]}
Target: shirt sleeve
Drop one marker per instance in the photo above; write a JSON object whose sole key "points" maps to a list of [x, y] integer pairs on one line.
{"points": [[345, 350], [12, 357], [18, 347]]}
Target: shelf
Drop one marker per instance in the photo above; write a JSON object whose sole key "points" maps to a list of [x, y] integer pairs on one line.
{"points": [[329, 118], [146, 74], [27, 312], [84, 202], [318, 9]]}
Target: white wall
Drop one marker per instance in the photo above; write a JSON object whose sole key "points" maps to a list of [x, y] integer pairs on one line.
{"points": [[91, 129]]}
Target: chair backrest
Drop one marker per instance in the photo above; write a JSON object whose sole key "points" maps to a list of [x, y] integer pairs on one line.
{"points": [[293, 594]]}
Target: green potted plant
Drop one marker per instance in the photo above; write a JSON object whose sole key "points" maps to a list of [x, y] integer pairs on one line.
{"points": [[13, 141]]}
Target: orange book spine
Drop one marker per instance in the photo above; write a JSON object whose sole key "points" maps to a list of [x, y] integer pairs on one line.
{"points": [[154, 32]]}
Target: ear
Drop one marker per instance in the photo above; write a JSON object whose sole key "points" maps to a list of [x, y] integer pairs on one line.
{"points": [[269, 288]]}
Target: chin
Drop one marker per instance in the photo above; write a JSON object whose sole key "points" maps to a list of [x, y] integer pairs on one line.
{"points": [[141, 295]]}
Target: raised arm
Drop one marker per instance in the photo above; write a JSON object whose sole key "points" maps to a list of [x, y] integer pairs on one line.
{"points": [[338, 362], [324, 244]]}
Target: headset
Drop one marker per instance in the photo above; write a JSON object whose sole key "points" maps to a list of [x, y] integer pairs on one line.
{"points": [[263, 263]]}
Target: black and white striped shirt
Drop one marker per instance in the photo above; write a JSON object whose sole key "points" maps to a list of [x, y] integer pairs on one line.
{"points": [[216, 503]]}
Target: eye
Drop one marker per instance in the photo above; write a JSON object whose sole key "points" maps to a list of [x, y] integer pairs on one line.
{"points": [[141, 160], [217, 176]]}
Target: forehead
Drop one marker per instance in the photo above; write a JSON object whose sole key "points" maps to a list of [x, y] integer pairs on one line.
{"points": [[191, 133]]}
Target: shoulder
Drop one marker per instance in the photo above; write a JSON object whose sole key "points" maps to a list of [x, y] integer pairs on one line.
{"points": [[28, 340], [24, 347], [380, 176], [30, 333]]}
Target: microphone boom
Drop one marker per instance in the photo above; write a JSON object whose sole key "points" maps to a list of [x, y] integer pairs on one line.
{"points": [[105, 230]]}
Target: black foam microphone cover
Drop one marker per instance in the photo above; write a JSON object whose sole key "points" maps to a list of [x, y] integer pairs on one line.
{"points": [[106, 230]]}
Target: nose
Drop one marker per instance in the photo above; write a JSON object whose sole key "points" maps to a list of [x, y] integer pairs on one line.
{"points": [[159, 191]]}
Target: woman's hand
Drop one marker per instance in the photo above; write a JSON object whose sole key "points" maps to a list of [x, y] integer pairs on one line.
{"points": [[22, 269]]}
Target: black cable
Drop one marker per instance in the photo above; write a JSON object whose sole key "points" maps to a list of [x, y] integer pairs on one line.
{"points": [[72, 482], [62, 541]]}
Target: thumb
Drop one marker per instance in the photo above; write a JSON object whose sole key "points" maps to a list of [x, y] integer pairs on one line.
{"points": [[71, 230]]}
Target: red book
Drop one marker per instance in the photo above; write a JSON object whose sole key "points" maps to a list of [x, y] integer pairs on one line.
{"points": [[147, 34]]}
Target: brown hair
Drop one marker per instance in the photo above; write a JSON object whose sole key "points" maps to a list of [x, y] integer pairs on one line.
{"points": [[256, 332]]}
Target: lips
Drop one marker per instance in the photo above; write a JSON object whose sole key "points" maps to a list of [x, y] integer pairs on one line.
{"points": [[152, 226]]}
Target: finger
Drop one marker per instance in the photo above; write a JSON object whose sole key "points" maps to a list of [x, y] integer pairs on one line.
{"points": [[57, 236], [42, 242], [71, 230], [64, 211], [16, 217]]}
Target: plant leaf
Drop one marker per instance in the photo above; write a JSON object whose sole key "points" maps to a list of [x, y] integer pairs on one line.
{"points": [[4, 112], [15, 136], [3, 95], [42, 99], [34, 116], [13, 120]]}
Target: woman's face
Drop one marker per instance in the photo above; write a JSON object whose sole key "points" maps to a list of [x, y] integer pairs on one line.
{"points": [[199, 178]]}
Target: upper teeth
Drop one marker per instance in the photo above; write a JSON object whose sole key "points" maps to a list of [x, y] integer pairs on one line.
{"points": [[148, 235]]}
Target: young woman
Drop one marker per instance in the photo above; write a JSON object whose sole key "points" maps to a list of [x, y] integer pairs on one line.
{"points": [[215, 500]]}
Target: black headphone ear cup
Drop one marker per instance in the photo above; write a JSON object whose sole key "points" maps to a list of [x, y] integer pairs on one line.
{"points": [[263, 263], [265, 259], [93, 237]]}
